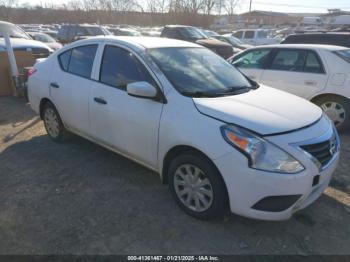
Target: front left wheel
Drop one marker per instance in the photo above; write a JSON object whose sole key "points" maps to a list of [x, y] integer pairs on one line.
{"points": [[197, 186]]}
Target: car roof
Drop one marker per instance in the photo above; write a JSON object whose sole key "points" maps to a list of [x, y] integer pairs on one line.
{"points": [[174, 26], [5, 23], [142, 41], [303, 46], [319, 33]]}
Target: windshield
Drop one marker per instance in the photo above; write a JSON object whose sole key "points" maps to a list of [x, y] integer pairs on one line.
{"points": [[13, 31], [209, 33], [43, 38], [198, 72], [192, 33], [95, 30], [235, 41], [262, 34], [345, 54]]}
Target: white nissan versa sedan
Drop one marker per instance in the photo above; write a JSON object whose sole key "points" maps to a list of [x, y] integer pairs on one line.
{"points": [[217, 138]]}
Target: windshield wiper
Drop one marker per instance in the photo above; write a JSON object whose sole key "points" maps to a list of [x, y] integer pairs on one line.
{"points": [[198, 94], [235, 90]]}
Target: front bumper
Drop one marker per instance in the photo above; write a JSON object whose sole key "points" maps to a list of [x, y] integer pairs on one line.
{"points": [[260, 195]]}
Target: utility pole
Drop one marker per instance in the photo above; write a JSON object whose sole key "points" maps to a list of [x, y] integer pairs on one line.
{"points": [[250, 6]]}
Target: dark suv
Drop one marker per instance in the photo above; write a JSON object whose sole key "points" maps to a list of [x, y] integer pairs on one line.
{"points": [[339, 39], [71, 33], [193, 34]]}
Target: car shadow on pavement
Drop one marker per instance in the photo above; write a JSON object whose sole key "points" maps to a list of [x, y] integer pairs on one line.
{"points": [[15, 111], [11, 136], [79, 198]]}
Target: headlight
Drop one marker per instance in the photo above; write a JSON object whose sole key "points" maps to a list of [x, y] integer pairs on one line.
{"points": [[262, 155]]}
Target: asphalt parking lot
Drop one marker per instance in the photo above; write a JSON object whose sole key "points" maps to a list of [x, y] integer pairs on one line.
{"points": [[79, 198]]}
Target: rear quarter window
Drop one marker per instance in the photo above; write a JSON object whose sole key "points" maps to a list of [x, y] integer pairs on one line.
{"points": [[238, 34], [63, 60], [344, 54]]}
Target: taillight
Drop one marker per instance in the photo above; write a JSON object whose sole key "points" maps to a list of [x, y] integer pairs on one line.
{"points": [[31, 72]]}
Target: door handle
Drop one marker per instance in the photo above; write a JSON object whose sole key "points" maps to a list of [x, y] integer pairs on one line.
{"points": [[100, 100], [310, 83], [54, 85]]}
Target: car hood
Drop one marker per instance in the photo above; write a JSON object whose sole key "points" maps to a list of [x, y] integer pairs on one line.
{"points": [[54, 45], [245, 46], [265, 110], [212, 43], [21, 43]]}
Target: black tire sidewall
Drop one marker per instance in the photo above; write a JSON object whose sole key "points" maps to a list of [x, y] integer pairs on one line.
{"points": [[220, 201]]}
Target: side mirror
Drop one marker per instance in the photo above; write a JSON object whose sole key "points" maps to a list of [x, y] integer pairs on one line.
{"points": [[142, 90]]}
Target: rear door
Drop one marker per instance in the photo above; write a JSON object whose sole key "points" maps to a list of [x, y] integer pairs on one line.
{"points": [[297, 71], [252, 62], [70, 86]]}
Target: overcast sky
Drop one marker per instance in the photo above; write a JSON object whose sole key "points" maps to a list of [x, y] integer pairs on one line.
{"points": [[309, 6]]}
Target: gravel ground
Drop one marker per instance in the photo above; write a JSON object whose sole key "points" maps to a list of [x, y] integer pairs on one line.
{"points": [[79, 198]]}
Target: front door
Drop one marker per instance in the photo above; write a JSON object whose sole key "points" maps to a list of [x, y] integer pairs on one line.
{"points": [[128, 124]]}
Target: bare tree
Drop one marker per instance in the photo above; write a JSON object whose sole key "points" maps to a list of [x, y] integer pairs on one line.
{"points": [[230, 6], [157, 6], [6, 8], [208, 6], [74, 5], [8, 3], [89, 5], [193, 6]]}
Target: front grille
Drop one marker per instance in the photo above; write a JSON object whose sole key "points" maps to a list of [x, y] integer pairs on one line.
{"points": [[323, 151], [36, 52]]}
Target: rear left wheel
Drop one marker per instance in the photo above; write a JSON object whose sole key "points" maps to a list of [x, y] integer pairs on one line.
{"points": [[337, 109], [53, 123]]}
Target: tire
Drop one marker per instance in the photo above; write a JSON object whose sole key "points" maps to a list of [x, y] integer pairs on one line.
{"points": [[53, 123], [338, 108], [182, 172]]}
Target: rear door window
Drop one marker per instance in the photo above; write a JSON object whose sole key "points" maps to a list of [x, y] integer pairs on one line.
{"points": [[289, 60], [249, 34], [81, 60], [262, 34], [173, 33]]}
